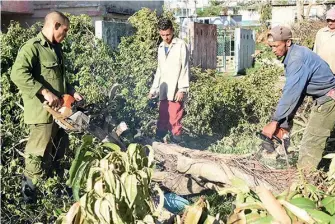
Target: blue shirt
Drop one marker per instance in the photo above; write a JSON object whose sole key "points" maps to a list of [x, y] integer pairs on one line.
{"points": [[166, 48], [306, 74]]}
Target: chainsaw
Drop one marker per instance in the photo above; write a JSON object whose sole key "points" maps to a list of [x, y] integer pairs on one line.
{"points": [[72, 116], [279, 142]]}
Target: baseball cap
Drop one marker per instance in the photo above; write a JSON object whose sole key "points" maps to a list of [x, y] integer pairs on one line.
{"points": [[331, 14], [280, 33]]}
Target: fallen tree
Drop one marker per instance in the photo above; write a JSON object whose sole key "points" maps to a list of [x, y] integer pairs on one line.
{"points": [[188, 171]]}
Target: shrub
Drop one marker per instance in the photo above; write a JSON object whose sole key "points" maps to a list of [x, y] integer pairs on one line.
{"points": [[306, 32], [232, 107]]}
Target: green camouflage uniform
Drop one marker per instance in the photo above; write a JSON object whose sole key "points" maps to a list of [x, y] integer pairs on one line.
{"points": [[40, 64]]}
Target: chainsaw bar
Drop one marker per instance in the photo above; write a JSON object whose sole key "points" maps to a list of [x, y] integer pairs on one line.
{"points": [[267, 139], [60, 119], [80, 122]]}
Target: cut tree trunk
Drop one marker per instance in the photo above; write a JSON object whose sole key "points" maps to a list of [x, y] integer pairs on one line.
{"points": [[300, 10], [188, 171]]}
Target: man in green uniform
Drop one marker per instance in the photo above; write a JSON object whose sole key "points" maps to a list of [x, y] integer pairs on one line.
{"points": [[39, 73]]}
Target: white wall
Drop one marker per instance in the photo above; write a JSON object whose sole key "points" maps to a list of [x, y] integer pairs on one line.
{"points": [[285, 15], [249, 15]]}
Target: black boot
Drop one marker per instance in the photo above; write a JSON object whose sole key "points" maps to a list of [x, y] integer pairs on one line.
{"points": [[28, 190]]}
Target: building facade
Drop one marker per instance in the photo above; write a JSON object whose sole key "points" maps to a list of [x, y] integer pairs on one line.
{"points": [[286, 14], [29, 12]]}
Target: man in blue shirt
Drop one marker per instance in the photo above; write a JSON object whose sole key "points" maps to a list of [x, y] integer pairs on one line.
{"points": [[306, 75]]}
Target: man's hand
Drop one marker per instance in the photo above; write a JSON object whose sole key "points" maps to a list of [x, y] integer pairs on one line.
{"points": [[151, 95], [270, 129], [179, 96], [52, 99], [77, 96]]}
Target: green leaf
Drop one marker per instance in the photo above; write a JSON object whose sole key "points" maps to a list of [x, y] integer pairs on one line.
{"points": [[79, 156], [57, 212], [110, 180], [240, 184], [105, 211], [132, 155], [97, 209], [319, 216], [115, 214], [302, 202], [193, 214], [104, 164], [229, 190], [210, 220], [118, 188], [296, 211], [329, 204], [112, 146], [87, 202], [90, 180], [311, 188], [161, 199], [331, 171], [265, 220], [78, 178], [252, 217], [150, 156], [130, 184], [250, 205], [240, 198], [131, 150], [330, 156], [148, 219]]}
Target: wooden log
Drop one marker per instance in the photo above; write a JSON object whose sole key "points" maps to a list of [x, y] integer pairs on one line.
{"points": [[220, 168]]}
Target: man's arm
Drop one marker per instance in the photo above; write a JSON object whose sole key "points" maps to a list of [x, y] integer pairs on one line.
{"points": [[184, 77], [297, 75], [22, 77], [155, 85]]}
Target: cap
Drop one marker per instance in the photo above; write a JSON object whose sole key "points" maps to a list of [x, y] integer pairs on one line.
{"points": [[280, 33], [331, 14]]}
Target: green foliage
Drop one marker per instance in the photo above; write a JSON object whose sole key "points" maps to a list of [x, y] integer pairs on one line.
{"points": [[88, 60], [199, 213], [115, 185], [265, 11], [234, 107], [214, 9], [10, 45], [302, 202], [305, 32], [220, 204]]}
